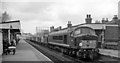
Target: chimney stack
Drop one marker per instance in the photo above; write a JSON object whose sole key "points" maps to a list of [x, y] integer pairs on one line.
{"points": [[115, 19], [60, 27], [69, 24], [103, 20], [51, 28], [88, 19], [107, 20]]}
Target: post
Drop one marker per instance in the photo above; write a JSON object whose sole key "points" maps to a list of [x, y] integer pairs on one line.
{"points": [[102, 37], [1, 44], [9, 35]]}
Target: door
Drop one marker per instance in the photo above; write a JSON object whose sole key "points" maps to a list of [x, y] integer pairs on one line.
{"points": [[75, 41], [65, 39]]}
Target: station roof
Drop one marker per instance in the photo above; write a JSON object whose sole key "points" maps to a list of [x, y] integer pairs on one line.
{"points": [[98, 26], [10, 25], [95, 26]]}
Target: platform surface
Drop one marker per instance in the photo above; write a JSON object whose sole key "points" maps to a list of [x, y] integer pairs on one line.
{"points": [[112, 53], [25, 52]]}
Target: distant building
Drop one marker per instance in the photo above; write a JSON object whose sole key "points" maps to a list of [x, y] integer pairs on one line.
{"points": [[119, 9], [42, 32], [25, 35]]}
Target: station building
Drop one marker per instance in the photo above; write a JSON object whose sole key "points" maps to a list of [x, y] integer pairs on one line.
{"points": [[107, 31], [8, 31]]}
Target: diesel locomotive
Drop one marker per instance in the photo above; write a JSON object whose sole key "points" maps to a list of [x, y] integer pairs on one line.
{"points": [[76, 41], [79, 41]]}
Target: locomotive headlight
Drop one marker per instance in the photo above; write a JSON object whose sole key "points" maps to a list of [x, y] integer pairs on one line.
{"points": [[80, 44], [90, 41], [71, 39]]}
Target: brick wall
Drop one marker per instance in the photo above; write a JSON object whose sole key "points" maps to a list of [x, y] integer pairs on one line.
{"points": [[111, 33]]}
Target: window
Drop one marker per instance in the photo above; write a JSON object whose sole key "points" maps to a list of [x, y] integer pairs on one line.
{"points": [[57, 37], [87, 30], [84, 31], [78, 31], [61, 37]]}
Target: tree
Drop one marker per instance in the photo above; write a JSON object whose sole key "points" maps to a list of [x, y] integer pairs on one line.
{"points": [[5, 17]]}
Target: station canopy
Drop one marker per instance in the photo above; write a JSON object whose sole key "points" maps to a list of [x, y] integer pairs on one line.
{"points": [[10, 25]]}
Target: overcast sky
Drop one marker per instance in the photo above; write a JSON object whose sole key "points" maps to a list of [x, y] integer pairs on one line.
{"points": [[46, 13]]}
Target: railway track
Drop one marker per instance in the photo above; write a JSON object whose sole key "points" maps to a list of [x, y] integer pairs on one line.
{"points": [[58, 57], [55, 56]]}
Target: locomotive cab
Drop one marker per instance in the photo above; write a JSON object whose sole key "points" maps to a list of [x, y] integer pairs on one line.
{"points": [[85, 40]]}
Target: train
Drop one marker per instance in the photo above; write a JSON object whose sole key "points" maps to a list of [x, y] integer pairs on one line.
{"points": [[79, 41]]}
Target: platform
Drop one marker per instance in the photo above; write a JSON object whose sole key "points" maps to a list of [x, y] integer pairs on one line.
{"points": [[25, 52], [111, 53]]}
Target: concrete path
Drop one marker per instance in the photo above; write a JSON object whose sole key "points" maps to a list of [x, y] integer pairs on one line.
{"points": [[25, 52]]}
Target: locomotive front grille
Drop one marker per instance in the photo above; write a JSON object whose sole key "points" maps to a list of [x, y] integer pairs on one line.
{"points": [[88, 43]]}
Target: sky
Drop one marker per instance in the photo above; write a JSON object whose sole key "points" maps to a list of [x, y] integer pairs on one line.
{"points": [[46, 13]]}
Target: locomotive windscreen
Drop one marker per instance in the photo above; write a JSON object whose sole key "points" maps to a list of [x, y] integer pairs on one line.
{"points": [[84, 31]]}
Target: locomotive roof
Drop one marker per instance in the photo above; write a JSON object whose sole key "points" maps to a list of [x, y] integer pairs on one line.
{"points": [[66, 30], [62, 31]]}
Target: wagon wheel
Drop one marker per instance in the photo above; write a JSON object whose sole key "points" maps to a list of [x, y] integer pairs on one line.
{"points": [[13, 52], [6, 53]]}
